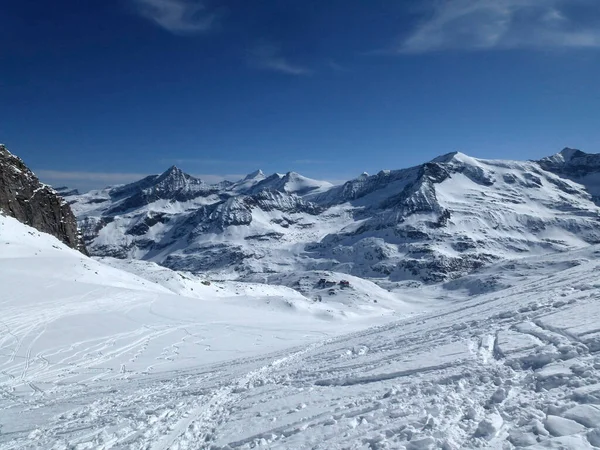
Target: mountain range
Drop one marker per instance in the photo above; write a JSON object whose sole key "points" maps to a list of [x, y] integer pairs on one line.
{"points": [[434, 222]]}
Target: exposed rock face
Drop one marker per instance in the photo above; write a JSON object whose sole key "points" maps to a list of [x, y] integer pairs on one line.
{"points": [[23, 197]]}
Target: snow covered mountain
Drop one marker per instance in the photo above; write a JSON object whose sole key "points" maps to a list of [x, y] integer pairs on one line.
{"points": [[437, 221], [184, 223], [582, 168]]}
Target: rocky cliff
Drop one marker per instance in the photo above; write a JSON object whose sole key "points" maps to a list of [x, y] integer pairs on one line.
{"points": [[23, 197]]}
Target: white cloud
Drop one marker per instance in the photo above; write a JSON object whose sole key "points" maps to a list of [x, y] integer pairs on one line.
{"points": [[506, 24], [177, 16], [267, 56], [333, 65]]}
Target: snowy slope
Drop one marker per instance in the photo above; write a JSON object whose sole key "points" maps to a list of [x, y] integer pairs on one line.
{"points": [[455, 215], [361, 299], [113, 361], [444, 219], [69, 323]]}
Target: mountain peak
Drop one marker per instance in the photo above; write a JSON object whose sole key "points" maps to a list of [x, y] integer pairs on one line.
{"points": [[568, 153], [174, 173], [565, 156], [256, 175], [453, 157], [174, 179], [172, 170]]}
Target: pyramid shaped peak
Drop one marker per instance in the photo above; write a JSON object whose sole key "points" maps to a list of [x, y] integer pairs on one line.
{"points": [[174, 176], [565, 156], [173, 172], [173, 169], [257, 174], [453, 157], [568, 153]]}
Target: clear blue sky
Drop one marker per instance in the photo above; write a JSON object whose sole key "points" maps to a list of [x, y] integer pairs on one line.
{"points": [[96, 92]]}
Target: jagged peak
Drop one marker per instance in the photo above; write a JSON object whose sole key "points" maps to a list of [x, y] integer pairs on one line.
{"points": [[453, 157], [257, 174], [173, 170], [175, 173], [565, 156], [568, 153], [7, 153]]}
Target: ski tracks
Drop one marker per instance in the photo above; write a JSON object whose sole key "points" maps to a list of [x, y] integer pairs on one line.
{"points": [[199, 424]]}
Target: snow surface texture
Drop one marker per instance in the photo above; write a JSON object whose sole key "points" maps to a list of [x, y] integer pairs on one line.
{"points": [[430, 223], [107, 359]]}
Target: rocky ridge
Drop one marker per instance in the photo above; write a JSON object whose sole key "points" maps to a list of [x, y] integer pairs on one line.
{"points": [[23, 197]]}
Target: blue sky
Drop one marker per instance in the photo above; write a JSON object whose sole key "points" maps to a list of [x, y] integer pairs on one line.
{"points": [[105, 91]]}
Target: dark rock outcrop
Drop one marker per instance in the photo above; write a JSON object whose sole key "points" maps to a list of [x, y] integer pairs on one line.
{"points": [[23, 197]]}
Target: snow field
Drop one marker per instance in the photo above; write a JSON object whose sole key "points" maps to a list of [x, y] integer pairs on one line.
{"points": [[92, 357]]}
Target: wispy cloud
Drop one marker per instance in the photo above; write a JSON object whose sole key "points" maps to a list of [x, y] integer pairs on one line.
{"points": [[506, 24], [333, 65], [177, 16], [267, 56]]}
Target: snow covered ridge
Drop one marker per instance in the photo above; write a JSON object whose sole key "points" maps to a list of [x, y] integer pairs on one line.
{"points": [[23, 196], [575, 165], [443, 219]]}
